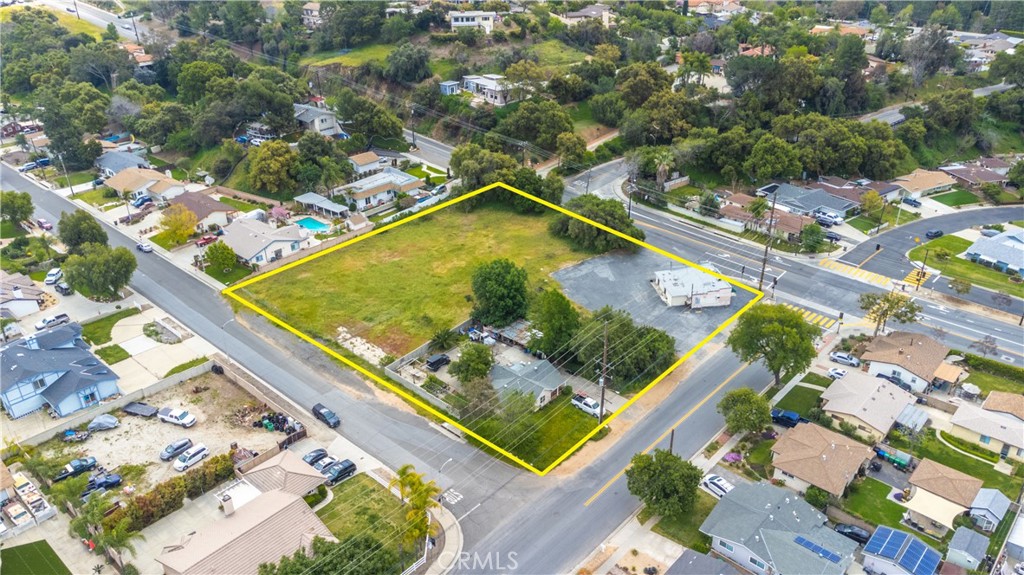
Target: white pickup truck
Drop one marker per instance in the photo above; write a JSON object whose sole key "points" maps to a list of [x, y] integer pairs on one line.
{"points": [[586, 404], [177, 417]]}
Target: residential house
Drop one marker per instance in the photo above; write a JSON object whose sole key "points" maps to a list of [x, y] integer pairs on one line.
{"points": [[379, 189], [368, 163], [138, 53], [989, 507], [53, 367], [259, 131], [991, 426], [19, 295], [257, 243], [450, 88], [692, 287], [766, 529], [473, 19], [855, 190], [6, 483], [717, 66], [809, 454], [265, 519], [210, 214], [782, 225], [693, 563], [806, 201], [1015, 539], [748, 50], [843, 29], [871, 404], [1004, 252], [356, 222], [997, 165], [540, 380], [940, 493], [318, 204], [594, 11], [722, 8], [874, 63], [917, 360], [114, 162], [889, 191], [319, 120], [967, 548], [898, 553], [973, 175], [491, 88], [922, 182], [134, 183], [10, 129], [311, 15]]}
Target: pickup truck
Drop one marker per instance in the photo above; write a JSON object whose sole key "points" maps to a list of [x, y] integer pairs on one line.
{"points": [[176, 416], [786, 418], [586, 404], [52, 321]]}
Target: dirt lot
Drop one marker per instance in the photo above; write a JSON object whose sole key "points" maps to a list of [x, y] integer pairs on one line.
{"points": [[139, 441]]}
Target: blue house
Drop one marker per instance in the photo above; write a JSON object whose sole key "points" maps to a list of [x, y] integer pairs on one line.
{"points": [[1004, 252], [450, 88], [53, 367]]}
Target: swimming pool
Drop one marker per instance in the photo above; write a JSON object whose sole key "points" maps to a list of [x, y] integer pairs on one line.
{"points": [[314, 225]]}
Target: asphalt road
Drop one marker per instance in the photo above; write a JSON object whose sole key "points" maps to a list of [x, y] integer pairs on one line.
{"points": [[100, 18], [892, 259], [433, 151], [891, 115]]}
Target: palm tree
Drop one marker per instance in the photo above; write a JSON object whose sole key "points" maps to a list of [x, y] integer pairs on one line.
{"points": [[406, 480], [664, 160], [120, 537], [418, 523], [758, 208], [443, 339]]}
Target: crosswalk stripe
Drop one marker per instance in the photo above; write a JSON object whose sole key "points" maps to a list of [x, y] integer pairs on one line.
{"points": [[829, 323]]}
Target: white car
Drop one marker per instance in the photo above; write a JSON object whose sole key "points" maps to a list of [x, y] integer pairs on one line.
{"points": [[126, 27], [844, 358], [717, 485], [194, 455], [53, 275], [837, 373]]}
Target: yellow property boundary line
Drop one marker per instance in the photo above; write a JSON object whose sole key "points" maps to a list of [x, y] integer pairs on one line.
{"points": [[230, 292]]}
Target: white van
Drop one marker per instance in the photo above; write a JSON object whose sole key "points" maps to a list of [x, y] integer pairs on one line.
{"points": [[191, 457]]}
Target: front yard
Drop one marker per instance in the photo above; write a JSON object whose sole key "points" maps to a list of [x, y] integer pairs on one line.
{"points": [[363, 506], [230, 276], [685, 530], [98, 332], [816, 379], [957, 267], [800, 399], [893, 216], [868, 500], [9, 229], [36, 558], [957, 197]]}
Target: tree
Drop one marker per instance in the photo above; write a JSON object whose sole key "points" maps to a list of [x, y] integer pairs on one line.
{"points": [[100, 270], [585, 236], [664, 161], [443, 339], [745, 410], [408, 63], [1016, 173], [608, 109], [481, 399], [16, 207], [272, 167], [811, 237], [554, 316], [406, 480], [608, 52], [776, 335], [194, 79], [120, 537], [571, 149], [358, 553], [221, 256], [499, 289], [758, 208], [817, 497], [871, 204], [636, 353], [110, 34], [960, 286], [641, 80], [1009, 67], [475, 362], [78, 228], [986, 346], [882, 307], [928, 51], [664, 482], [179, 223], [772, 157]]}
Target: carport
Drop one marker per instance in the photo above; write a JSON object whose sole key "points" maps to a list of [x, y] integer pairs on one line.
{"points": [[912, 419]]}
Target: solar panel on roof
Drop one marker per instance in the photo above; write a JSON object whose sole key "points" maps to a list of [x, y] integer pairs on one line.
{"points": [[817, 549], [893, 545], [919, 559], [929, 563], [877, 540]]}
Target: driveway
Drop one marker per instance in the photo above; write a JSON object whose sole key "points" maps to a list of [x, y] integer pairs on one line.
{"points": [[890, 476]]}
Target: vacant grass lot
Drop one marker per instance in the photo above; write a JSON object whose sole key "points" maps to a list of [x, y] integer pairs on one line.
{"points": [[239, 205], [556, 54], [956, 198], [356, 57], [867, 500], [398, 288], [36, 558], [685, 530], [800, 399], [361, 505], [98, 332], [957, 267]]}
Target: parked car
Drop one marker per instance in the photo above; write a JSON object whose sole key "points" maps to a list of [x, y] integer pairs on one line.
{"points": [[101, 482], [718, 485], [437, 361], [843, 358], [324, 463], [326, 415], [190, 457], [53, 275], [27, 167], [833, 237], [339, 472], [70, 9], [890, 378], [98, 182], [785, 418], [76, 467], [53, 321], [858, 534], [175, 448], [63, 288], [43, 162], [586, 404], [177, 417], [912, 202], [932, 234], [205, 240], [144, 247], [837, 373], [126, 27], [314, 456], [824, 222], [43, 224], [441, 189], [141, 201]]}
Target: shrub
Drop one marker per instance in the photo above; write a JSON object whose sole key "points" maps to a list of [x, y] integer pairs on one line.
{"points": [[313, 499], [110, 193], [221, 168], [129, 569], [969, 447], [994, 367], [816, 497]]}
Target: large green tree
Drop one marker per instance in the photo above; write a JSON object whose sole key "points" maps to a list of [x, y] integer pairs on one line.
{"points": [[585, 236], [100, 270], [776, 335], [272, 167], [194, 79], [664, 482], [221, 256], [636, 353], [554, 316], [15, 206], [882, 307], [499, 292], [475, 362], [745, 410], [78, 228], [772, 157], [811, 237], [408, 63]]}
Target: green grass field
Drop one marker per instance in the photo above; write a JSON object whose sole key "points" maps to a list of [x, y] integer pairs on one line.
{"points": [[361, 505], [444, 68], [957, 267], [956, 198], [239, 205], [98, 332], [556, 54], [991, 382], [95, 197], [800, 399], [815, 379], [230, 276], [10, 229], [685, 530], [398, 288], [357, 57], [36, 558], [867, 500], [582, 116], [892, 216], [112, 354]]}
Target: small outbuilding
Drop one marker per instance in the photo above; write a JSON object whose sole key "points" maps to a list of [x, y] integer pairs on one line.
{"points": [[691, 287]]}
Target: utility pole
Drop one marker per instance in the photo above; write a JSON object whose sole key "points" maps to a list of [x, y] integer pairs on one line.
{"points": [[881, 217], [75, 2], [671, 440], [604, 374], [134, 27], [66, 176], [920, 273], [768, 242]]}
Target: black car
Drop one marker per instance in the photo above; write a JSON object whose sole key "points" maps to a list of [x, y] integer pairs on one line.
{"points": [[436, 362], [175, 448], [64, 289], [313, 456], [76, 467], [785, 418], [833, 237], [326, 415], [103, 481], [339, 472], [932, 234], [889, 378], [824, 222], [853, 532]]}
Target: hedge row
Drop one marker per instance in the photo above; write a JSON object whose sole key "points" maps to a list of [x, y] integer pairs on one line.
{"points": [[995, 367], [973, 449]]}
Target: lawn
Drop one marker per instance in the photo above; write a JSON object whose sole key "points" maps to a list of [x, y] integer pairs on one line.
{"points": [[685, 530], [582, 116], [230, 276], [155, 161], [893, 216], [240, 205], [353, 58], [98, 332], [1018, 223], [187, 365], [398, 288], [112, 354], [36, 558], [956, 198], [443, 68], [991, 382], [422, 172], [65, 19], [9, 229], [815, 379], [96, 197], [931, 448], [361, 505], [800, 399], [163, 239], [77, 178], [868, 500], [556, 54], [957, 267]]}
